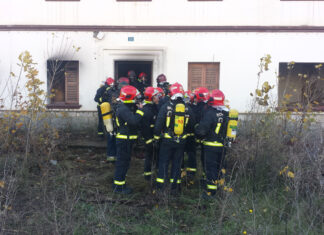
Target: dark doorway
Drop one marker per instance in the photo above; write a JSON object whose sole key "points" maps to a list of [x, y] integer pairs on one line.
{"points": [[122, 68]]}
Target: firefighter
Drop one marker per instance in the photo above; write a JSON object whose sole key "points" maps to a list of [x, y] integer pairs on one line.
{"points": [[161, 91], [212, 129], [199, 107], [163, 84], [173, 121], [101, 96], [132, 77], [161, 80], [140, 84], [151, 99], [127, 127], [112, 97], [190, 148]]}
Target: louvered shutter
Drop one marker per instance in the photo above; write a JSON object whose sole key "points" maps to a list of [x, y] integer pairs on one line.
{"points": [[203, 75], [72, 83], [212, 76], [196, 75]]}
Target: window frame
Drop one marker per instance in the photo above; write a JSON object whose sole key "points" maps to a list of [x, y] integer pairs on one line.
{"points": [[291, 106], [66, 104], [217, 82]]}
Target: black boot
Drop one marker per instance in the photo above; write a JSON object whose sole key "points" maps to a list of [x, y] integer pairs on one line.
{"points": [[122, 189]]}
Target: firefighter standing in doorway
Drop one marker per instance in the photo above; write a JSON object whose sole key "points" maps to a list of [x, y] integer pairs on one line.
{"points": [[101, 96], [127, 128], [173, 121], [212, 129], [132, 77], [141, 82], [151, 100]]}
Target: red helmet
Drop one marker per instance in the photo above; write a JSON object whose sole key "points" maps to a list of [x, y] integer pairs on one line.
{"points": [[131, 74], [160, 90], [128, 94], [149, 93], [123, 80], [161, 79], [189, 96], [201, 94], [176, 89], [217, 97], [142, 75], [110, 81]]}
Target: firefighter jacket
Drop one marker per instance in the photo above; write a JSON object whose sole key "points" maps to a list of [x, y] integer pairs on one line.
{"points": [[191, 129], [112, 96], [213, 126], [199, 110], [161, 124], [127, 121], [102, 94], [140, 86], [148, 121], [163, 101]]}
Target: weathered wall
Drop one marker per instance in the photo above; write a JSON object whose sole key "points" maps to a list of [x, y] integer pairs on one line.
{"points": [[87, 121], [238, 53], [162, 12]]}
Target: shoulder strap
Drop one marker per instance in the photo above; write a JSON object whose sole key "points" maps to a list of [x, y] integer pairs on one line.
{"points": [[169, 115], [219, 117], [187, 116]]}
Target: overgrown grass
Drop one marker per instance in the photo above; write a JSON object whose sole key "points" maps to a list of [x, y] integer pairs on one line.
{"points": [[75, 197]]}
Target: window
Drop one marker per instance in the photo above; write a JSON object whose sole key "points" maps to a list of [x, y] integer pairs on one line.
{"points": [[123, 66], [203, 74], [301, 86], [63, 82]]}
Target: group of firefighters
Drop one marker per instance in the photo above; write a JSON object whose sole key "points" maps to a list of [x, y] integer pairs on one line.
{"points": [[170, 122]]}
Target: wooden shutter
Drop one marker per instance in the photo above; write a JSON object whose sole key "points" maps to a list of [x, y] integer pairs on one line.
{"points": [[72, 82], [212, 76], [195, 76], [203, 75]]}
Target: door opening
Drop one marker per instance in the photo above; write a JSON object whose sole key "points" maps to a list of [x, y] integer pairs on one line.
{"points": [[123, 66]]}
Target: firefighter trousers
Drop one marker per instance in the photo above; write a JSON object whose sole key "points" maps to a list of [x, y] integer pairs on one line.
{"points": [[213, 158], [124, 151], [202, 158], [190, 149], [150, 159], [111, 145], [170, 152]]}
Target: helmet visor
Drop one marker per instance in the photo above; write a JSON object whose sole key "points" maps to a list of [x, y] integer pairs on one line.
{"points": [[176, 96]]}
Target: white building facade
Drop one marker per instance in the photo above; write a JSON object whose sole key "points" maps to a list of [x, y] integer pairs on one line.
{"points": [[217, 44]]}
